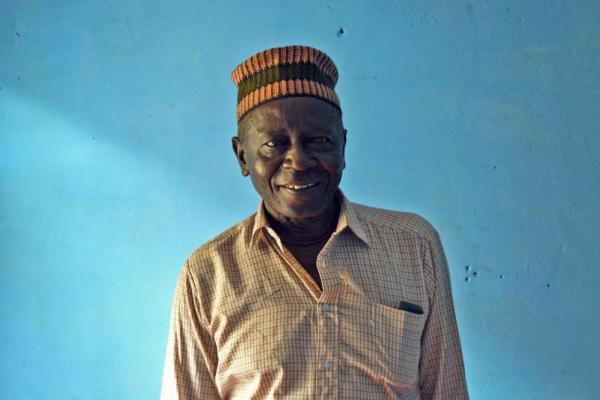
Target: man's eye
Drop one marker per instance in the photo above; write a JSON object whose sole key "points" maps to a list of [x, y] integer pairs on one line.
{"points": [[321, 140], [272, 143]]}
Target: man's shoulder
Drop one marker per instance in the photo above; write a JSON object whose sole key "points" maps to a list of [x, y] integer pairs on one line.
{"points": [[401, 221], [222, 245]]}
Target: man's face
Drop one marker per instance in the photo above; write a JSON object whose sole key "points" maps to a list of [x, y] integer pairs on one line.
{"points": [[293, 149]]}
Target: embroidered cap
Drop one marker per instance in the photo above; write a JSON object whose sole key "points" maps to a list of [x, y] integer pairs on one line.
{"points": [[284, 71]]}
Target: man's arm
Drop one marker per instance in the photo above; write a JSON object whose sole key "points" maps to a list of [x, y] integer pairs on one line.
{"points": [[191, 357], [442, 372]]}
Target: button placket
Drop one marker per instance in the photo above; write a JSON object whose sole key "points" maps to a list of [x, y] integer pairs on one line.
{"points": [[328, 325], [326, 374]]}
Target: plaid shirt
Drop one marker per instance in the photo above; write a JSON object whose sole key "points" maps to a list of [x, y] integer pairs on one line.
{"points": [[248, 321]]}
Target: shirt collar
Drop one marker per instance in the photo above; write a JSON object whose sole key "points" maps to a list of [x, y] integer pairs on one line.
{"points": [[347, 219]]}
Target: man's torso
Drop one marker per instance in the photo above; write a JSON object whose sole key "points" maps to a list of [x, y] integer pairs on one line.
{"points": [[275, 329]]}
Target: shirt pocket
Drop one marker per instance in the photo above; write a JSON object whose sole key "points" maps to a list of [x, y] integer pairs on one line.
{"points": [[380, 344], [398, 337]]}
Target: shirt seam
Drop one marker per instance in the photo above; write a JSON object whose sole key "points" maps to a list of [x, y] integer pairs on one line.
{"points": [[190, 276], [398, 229]]}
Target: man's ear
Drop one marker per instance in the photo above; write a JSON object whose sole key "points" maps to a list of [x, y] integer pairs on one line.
{"points": [[238, 149], [344, 148]]}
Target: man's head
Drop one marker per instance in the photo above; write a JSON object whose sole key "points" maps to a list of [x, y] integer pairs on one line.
{"points": [[291, 138], [293, 150]]}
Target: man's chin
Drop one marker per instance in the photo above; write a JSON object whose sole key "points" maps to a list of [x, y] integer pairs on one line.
{"points": [[309, 205], [297, 212]]}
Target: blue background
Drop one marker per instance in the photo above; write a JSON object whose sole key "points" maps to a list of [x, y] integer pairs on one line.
{"points": [[115, 126]]}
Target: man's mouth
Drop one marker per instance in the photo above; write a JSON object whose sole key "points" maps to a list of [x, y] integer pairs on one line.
{"points": [[299, 188]]}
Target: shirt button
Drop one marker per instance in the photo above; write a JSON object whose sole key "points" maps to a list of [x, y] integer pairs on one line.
{"points": [[326, 365], [325, 307]]}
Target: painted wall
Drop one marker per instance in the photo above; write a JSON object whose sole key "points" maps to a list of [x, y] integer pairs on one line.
{"points": [[115, 121]]}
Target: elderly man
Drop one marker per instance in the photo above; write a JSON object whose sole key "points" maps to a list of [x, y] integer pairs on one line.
{"points": [[311, 297]]}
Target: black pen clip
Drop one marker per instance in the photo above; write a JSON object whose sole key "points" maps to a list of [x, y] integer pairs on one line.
{"points": [[410, 307]]}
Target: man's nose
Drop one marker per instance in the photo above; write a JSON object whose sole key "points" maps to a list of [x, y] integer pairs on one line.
{"points": [[299, 158]]}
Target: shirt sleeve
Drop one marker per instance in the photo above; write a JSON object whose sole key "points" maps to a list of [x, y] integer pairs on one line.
{"points": [[191, 355], [441, 370]]}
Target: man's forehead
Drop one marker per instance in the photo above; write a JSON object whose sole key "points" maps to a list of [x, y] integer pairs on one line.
{"points": [[299, 112]]}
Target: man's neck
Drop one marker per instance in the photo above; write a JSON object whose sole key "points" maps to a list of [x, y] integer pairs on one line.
{"points": [[306, 231]]}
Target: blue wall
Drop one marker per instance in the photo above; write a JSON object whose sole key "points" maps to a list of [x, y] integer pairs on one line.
{"points": [[115, 121]]}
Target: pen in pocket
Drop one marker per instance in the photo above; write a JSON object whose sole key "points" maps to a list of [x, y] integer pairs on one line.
{"points": [[410, 307]]}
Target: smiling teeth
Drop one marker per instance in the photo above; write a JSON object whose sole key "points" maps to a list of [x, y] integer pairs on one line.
{"points": [[299, 187]]}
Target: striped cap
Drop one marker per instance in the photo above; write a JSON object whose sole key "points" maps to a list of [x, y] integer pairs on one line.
{"points": [[284, 71]]}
